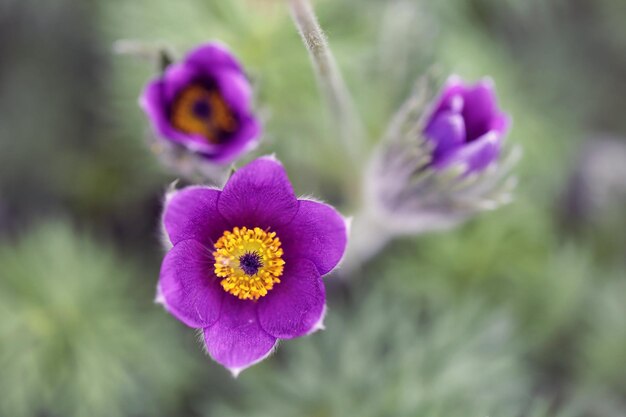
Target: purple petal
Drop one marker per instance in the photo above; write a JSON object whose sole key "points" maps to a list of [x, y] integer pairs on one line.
{"points": [[187, 285], [176, 77], [192, 213], [246, 138], [236, 90], [317, 233], [259, 195], [237, 341], [480, 109], [477, 155], [447, 131], [213, 55], [153, 103], [448, 100], [501, 123], [294, 306]]}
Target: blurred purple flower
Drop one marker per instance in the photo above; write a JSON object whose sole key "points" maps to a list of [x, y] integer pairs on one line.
{"points": [[204, 104], [466, 126], [441, 162], [246, 262]]}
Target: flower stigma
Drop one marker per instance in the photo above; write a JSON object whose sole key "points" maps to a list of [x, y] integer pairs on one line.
{"points": [[201, 110], [249, 261]]}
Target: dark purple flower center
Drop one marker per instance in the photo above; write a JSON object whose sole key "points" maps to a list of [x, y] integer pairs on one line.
{"points": [[250, 262], [201, 109]]}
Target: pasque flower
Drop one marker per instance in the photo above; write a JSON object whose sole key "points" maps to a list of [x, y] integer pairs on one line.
{"points": [[203, 103], [246, 262], [441, 162], [466, 126]]}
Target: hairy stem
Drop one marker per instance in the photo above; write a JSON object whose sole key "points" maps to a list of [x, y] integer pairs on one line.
{"points": [[331, 83]]}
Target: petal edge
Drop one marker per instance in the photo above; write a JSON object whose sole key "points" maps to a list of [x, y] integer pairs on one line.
{"points": [[295, 306], [317, 233], [259, 195], [187, 287], [237, 341]]}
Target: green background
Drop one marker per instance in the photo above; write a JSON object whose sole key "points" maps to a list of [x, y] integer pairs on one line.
{"points": [[520, 312]]}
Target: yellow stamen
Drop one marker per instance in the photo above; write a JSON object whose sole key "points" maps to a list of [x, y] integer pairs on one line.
{"points": [[244, 280], [214, 120]]}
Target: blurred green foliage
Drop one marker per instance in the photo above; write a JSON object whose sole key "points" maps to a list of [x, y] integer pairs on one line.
{"points": [[515, 314], [77, 337], [384, 354]]}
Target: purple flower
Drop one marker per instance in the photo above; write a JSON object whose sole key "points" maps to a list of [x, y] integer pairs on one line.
{"points": [[466, 126], [203, 104], [246, 262]]}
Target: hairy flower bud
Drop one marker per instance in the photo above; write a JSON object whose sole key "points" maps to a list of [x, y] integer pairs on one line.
{"points": [[440, 163]]}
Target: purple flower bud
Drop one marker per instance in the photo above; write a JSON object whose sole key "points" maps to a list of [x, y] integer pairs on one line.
{"points": [[440, 163], [203, 103], [466, 126]]}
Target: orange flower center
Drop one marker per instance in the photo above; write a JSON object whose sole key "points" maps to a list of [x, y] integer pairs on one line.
{"points": [[249, 261], [201, 110]]}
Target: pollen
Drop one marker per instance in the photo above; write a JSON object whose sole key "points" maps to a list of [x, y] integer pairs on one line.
{"points": [[249, 261], [202, 110]]}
